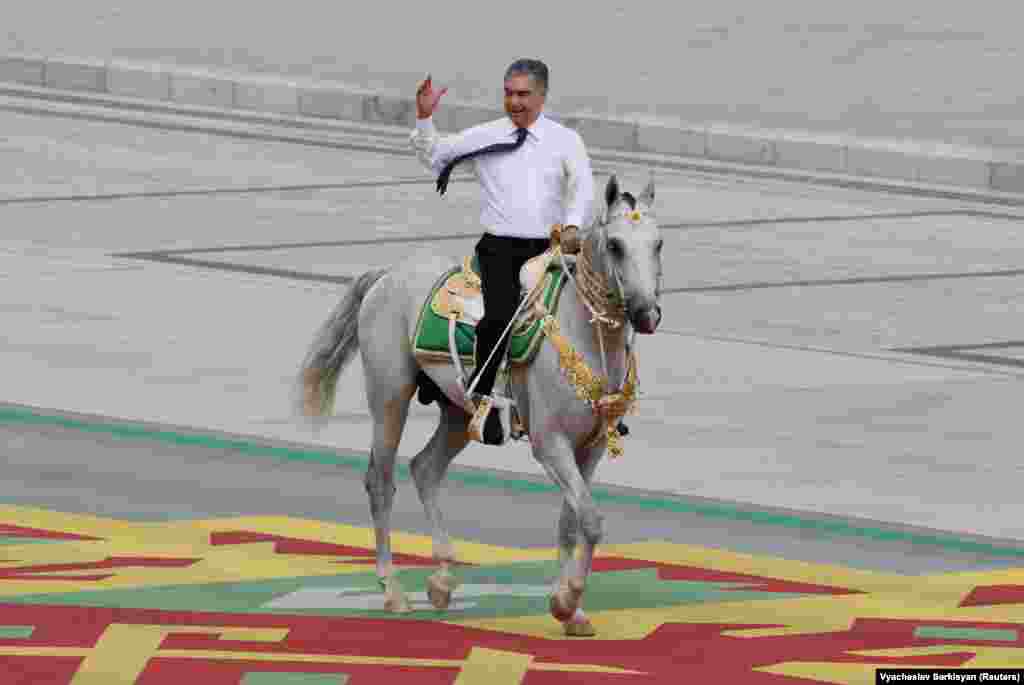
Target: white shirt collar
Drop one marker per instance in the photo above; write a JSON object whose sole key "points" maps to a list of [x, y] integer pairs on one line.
{"points": [[535, 129]]}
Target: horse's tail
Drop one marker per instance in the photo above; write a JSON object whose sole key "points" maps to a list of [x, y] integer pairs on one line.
{"points": [[333, 347]]}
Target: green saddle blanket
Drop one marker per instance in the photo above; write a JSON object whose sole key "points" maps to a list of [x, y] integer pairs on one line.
{"points": [[457, 292]]}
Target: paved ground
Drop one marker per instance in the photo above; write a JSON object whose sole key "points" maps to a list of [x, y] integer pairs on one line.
{"points": [[780, 377], [876, 69], [828, 355], [276, 599], [51, 459]]}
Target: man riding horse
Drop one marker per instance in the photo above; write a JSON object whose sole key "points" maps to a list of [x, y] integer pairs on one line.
{"points": [[573, 370], [534, 173]]}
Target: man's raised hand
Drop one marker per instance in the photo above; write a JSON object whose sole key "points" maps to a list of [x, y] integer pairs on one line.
{"points": [[427, 98]]}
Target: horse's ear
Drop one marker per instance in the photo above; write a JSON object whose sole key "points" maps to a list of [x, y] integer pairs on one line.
{"points": [[611, 191], [647, 196]]}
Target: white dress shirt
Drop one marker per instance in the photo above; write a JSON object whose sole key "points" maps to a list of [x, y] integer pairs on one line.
{"points": [[548, 180]]}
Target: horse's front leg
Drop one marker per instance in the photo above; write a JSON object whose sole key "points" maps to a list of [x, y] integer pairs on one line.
{"points": [[587, 458], [556, 456], [567, 537], [562, 597]]}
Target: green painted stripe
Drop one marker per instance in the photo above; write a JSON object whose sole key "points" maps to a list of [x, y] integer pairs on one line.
{"points": [[16, 632], [11, 415], [16, 540], [135, 432], [951, 633]]}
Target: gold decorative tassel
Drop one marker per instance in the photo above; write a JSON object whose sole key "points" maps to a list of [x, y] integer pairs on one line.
{"points": [[471, 279], [614, 441], [591, 387]]}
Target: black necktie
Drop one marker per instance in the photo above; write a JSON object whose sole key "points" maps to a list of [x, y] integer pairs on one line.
{"points": [[442, 180]]}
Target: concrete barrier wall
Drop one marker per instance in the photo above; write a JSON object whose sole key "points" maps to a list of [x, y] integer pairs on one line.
{"points": [[89, 76], [139, 82], [923, 163], [25, 70]]}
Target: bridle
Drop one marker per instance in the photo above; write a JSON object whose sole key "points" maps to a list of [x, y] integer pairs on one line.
{"points": [[607, 306]]}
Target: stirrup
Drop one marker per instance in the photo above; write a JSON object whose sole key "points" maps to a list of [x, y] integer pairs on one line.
{"points": [[484, 406], [519, 431]]}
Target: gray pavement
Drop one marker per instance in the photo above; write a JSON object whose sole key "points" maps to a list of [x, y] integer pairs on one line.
{"points": [[782, 378], [914, 69], [72, 464]]}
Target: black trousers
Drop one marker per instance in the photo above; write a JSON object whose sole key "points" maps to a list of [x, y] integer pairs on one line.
{"points": [[501, 258]]}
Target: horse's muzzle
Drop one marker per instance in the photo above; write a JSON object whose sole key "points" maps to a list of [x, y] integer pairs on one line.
{"points": [[647, 320]]}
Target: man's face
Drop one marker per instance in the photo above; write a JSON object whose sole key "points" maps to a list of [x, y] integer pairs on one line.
{"points": [[523, 100]]}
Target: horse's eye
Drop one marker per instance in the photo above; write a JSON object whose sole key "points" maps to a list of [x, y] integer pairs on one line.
{"points": [[615, 247]]}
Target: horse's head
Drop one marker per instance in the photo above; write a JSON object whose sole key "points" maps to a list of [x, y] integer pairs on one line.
{"points": [[627, 249]]}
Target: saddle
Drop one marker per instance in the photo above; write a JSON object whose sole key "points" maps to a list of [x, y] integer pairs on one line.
{"points": [[460, 296], [446, 330]]}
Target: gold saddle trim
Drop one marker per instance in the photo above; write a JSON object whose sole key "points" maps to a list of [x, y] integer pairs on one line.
{"points": [[461, 297]]}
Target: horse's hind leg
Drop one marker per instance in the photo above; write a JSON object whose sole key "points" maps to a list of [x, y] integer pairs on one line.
{"points": [[428, 470], [390, 384]]}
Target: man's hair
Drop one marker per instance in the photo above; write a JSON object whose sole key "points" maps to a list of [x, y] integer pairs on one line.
{"points": [[533, 68]]}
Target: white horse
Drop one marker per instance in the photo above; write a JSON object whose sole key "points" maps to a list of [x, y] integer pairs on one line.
{"points": [[613, 293]]}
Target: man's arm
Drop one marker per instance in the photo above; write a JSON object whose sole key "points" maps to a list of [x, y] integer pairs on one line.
{"points": [[580, 185], [433, 150], [425, 139]]}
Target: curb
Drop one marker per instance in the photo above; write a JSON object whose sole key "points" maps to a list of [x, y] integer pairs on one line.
{"points": [[917, 162]]}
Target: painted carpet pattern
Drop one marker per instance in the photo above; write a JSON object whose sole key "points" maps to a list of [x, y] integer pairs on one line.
{"points": [[261, 600]]}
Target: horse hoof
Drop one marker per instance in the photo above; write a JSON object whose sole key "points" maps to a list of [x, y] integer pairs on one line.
{"points": [[397, 605], [439, 597], [395, 600], [582, 628], [566, 600], [559, 610], [439, 590]]}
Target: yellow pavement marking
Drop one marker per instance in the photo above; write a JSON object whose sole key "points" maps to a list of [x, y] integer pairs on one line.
{"points": [[79, 524], [886, 595], [406, 543], [216, 563], [124, 650], [769, 567], [825, 672], [798, 616], [493, 667], [984, 656], [864, 674]]}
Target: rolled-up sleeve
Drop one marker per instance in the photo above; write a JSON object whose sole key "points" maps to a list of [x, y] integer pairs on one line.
{"points": [[580, 183]]}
